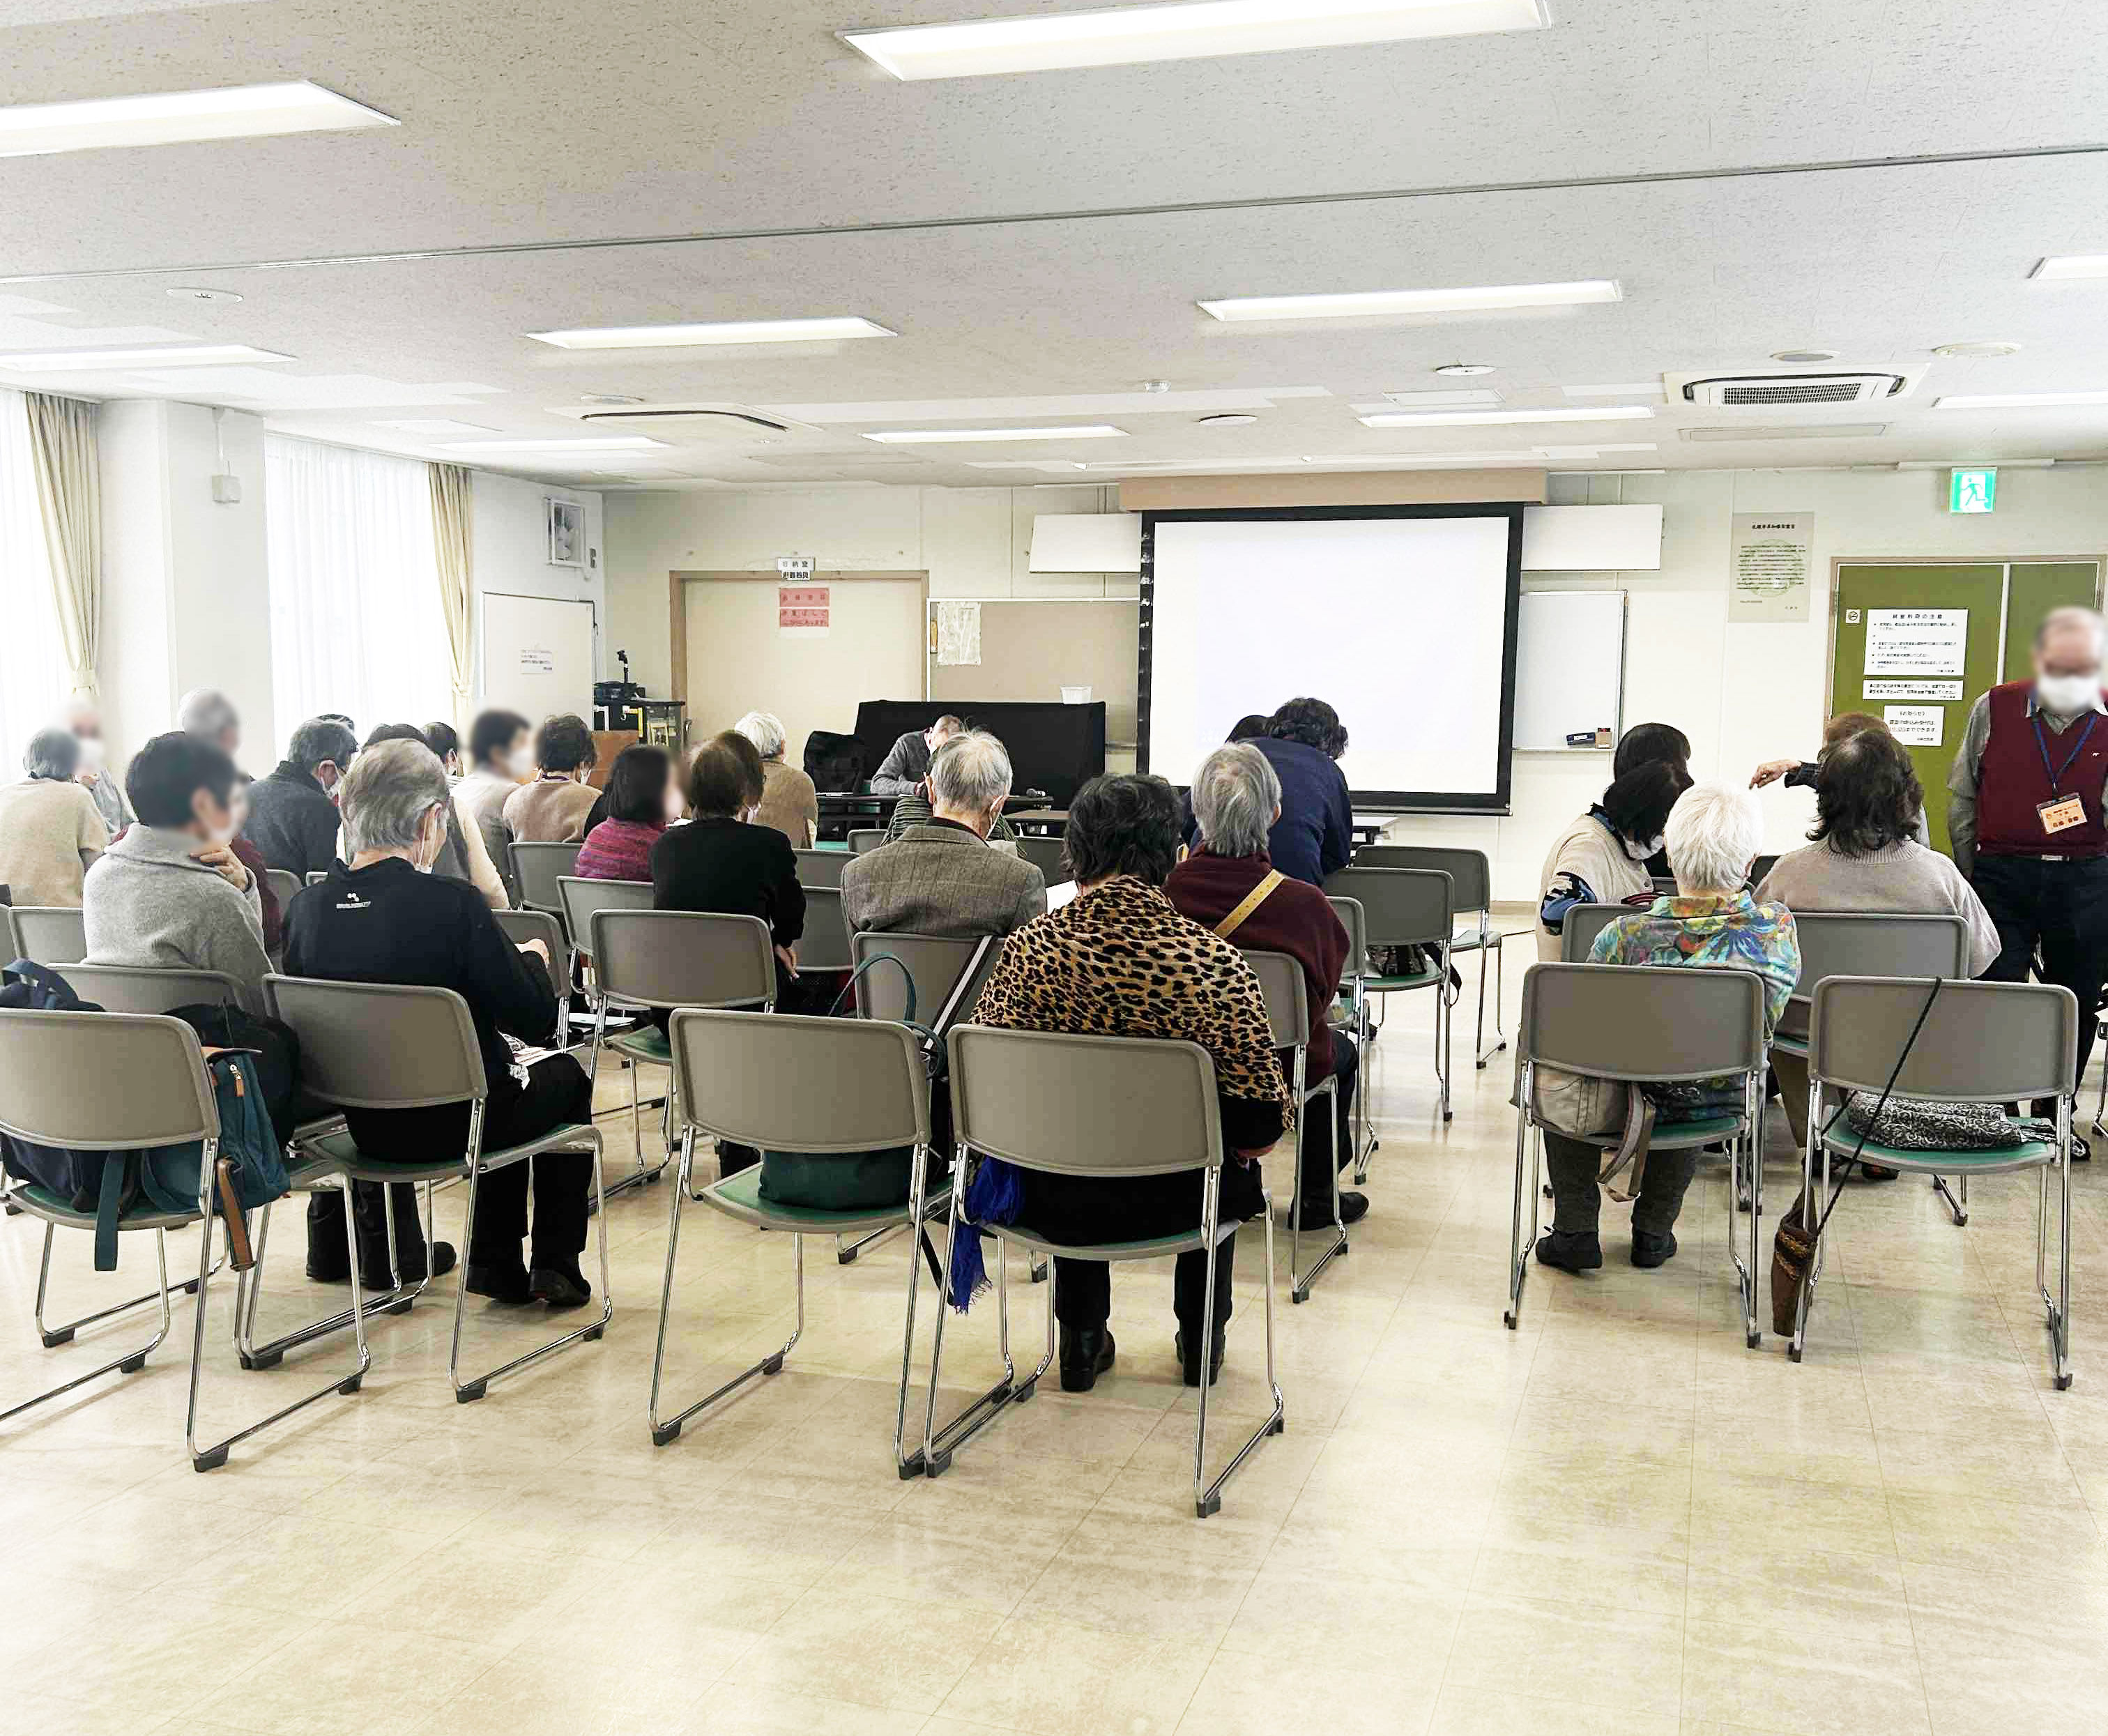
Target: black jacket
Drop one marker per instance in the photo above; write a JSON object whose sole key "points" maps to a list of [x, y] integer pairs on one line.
{"points": [[728, 866], [292, 821]]}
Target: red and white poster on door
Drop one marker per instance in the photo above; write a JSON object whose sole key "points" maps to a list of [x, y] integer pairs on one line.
{"points": [[802, 610]]}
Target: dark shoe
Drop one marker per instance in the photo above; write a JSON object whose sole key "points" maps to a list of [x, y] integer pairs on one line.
{"points": [[1189, 1366], [1879, 1172], [328, 1271], [1085, 1354], [561, 1287], [2081, 1152], [1569, 1249], [1317, 1214], [500, 1283], [1650, 1250]]}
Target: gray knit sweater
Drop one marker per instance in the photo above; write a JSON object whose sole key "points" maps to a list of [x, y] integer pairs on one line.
{"points": [[146, 902]]}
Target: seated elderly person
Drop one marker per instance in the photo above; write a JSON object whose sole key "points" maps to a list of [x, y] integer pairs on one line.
{"points": [[1236, 799], [643, 796], [462, 856], [500, 753], [1866, 856], [84, 720], [789, 802], [1714, 831], [1118, 961], [387, 918], [906, 762], [170, 894], [553, 808], [940, 876], [1313, 835], [292, 811], [1604, 858], [50, 829]]}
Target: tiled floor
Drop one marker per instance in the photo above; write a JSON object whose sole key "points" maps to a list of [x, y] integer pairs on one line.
{"points": [[1614, 1520]]}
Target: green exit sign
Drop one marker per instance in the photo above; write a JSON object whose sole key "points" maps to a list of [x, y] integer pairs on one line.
{"points": [[1972, 490]]}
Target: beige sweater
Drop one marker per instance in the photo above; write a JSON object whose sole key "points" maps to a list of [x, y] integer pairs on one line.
{"points": [[1905, 879], [789, 803], [1591, 850], [550, 810], [49, 831]]}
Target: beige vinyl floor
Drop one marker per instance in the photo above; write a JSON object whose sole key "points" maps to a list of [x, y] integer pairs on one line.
{"points": [[1616, 1519]]}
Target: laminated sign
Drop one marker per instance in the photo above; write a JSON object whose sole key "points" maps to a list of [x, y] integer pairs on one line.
{"points": [[1917, 642], [802, 610]]}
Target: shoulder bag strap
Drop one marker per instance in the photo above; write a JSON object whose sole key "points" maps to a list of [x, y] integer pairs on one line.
{"points": [[1254, 899]]}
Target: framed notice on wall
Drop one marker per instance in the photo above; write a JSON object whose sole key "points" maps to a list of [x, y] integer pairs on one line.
{"points": [[1768, 566], [803, 611]]}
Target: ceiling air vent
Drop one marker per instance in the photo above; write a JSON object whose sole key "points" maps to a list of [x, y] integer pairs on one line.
{"points": [[1791, 431], [1783, 391]]}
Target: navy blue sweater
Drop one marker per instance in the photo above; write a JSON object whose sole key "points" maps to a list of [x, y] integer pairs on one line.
{"points": [[1315, 834]]}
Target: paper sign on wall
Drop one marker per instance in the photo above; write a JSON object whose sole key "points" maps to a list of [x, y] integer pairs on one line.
{"points": [[1948, 691], [533, 660], [1768, 566], [1915, 726], [958, 634], [1916, 641], [802, 611]]}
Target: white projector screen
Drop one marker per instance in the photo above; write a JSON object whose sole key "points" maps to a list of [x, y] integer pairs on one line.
{"points": [[1401, 618]]}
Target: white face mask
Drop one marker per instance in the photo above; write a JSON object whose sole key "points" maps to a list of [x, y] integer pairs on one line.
{"points": [[2068, 695], [91, 753], [520, 762], [429, 847], [1641, 850]]}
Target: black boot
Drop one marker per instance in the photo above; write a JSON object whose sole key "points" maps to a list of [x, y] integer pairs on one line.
{"points": [[1569, 1249], [1189, 1362], [1652, 1248], [1086, 1354], [1317, 1214], [562, 1286]]}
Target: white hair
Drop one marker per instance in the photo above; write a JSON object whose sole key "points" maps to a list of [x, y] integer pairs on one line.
{"points": [[1236, 795], [1714, 832], [207, 712], [765, 730], [970, 773], [2071, 615], [390, 787]]}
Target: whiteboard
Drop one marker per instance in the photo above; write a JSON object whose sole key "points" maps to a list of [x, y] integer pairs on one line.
{"points": [[1569, 666], [538, 654]]}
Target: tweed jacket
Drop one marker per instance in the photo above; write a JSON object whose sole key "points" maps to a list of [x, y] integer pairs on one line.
{"points": [[940, 879]]}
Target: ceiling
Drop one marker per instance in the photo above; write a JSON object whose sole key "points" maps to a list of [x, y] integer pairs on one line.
{"points": [[1753, 176]]}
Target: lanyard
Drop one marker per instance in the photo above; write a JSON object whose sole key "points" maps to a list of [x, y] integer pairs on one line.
{"points": [[2042, 741]]}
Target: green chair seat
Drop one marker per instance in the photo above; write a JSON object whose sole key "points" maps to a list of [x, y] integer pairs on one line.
{"points": [[1786, 1043], [341, 1151], [1153, 1247], [1671, 1136], [646, 1042], [740, 1197], [1842, 1141], [41, 1202], [1418, 980]]}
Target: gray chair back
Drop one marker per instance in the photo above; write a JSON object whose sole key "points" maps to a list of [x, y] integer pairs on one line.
{"points": [[1047, 856], [57, 1074], [1287, 1002], [285, 885], [792, 1083], [1356, 923], [1400, 907], [581, 900], [1664, 885], [935, 963], [1470, 876], [682, 957], [131, 988], [1583, 923], [522, 926], [864, 838], [373, 1045], [1839, 943], [1667, 1022], [536, 869], [1982, 1041], [1085, 1105], [315, 876], [825, 945], [820, 867], [47, 934]]}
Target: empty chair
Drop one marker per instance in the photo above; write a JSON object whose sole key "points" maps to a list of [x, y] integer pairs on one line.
{"points": [[536, 869], [1047, 856], [1288, 1011], [820, 867], [825, 944], [519, 926], [1406, 907], [52, 934], [129, 988], [935, 963], [1583, 923], [1472, 897], [864, 838]]}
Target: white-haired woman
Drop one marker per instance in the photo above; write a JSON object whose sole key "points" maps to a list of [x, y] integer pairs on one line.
{"points": [[789, 802], [1714, 832], [388, 918], [49, 828]]}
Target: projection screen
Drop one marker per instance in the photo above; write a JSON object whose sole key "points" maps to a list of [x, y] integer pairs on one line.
{"points": [[1403, 618]]}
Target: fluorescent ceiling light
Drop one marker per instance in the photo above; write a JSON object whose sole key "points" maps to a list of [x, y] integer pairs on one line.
{"points": [[105, 361], [1363, 305], [1122, 36], [437, 425], [720, 331], [180, 117], [2071, 265], [579, 443], [2019, 400], [1607, 412], [948, 436]]}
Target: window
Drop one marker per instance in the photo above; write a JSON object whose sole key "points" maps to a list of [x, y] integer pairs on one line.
{"points": [[33, 679], [356, 624]]}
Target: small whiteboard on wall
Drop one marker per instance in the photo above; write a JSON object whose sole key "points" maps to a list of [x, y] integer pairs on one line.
{"points": [[1570, 667], [538, 654]]}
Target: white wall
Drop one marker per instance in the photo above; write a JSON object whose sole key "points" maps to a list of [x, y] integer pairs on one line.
{"points": [[509, 552]]}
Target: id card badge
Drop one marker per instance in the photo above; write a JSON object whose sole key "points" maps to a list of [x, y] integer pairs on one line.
{"points": [[2061, 815]]}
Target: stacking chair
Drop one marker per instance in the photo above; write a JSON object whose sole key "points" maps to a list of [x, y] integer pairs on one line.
{"points": [[522, 926], [1406, 907], [1354, 979], [793, 1083], [581, 900], [536, 869], [1868, 944], [1583, 922], [825, 943], [865, 838], [1288, 1013], [1471, 881], [315, 876], [1760, 870], [1090, 1106], [1048, 856], [820, 867], [388, 1046], [657, 960], [53, 934], [285, 885], [1641, 1023], [55, 1074], [1980, 1042]]}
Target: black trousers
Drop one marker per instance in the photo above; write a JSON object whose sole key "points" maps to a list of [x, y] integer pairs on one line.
{"points": [[2061, 907], [1081, 1208], [1328, 1141], [1577, 1200]]}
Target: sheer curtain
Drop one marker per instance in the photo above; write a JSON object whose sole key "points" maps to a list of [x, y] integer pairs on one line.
{"points": [[356, 622], [33, 660]]}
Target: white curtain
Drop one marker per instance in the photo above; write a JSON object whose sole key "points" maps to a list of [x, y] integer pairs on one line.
{"points": [[451, 531], [33, 660], [356, 624], [70, 492]]}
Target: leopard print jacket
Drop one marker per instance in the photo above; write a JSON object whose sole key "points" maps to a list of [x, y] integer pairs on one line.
{"points": [[1118, 961]]}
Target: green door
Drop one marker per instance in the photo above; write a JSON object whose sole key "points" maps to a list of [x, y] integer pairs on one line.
{"points": [[2037, 588]]}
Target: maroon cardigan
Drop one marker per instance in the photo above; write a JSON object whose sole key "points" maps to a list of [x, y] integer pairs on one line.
{"points": [[1295, 919]]}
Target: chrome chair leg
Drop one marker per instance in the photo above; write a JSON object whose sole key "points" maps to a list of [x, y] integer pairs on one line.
{"points": [[1208, 1496], [642, 1175], [56, 1336], [2058, 1309], [396, 1299], [132, 1361], [1520, 1248], [1957, 1207], [939, 1444], [1299, 1281], [1363, 1038]]}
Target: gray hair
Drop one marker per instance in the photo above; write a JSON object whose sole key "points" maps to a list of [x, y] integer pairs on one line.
{"points": [[970, 772], [1234, 795], [1714, 832], [207, 712], [319, 739], [52, 753], [2071, 615], [387, 793], [765, 730]]}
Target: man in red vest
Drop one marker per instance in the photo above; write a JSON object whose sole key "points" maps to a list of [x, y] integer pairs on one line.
{"points": [[2024, 816]]}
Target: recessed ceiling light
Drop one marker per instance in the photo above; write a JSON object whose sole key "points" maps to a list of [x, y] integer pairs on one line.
{"points": [[2018, 401], [1464, 370], [180, 117], [717, 332], [1125, 35], [105, 361], [1982, 351], [1363, 304], [2071, 265], [609, 398], [1804, 357], [579, 443], [945, 436], [431, 425], [187, 294], [1608, 412], [1227, 421]]}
